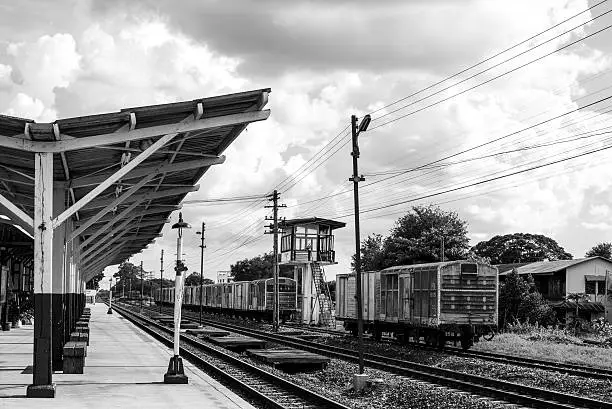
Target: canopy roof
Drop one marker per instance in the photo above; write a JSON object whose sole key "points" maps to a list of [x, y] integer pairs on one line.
{"points": [[163, 151], [313, 220]]}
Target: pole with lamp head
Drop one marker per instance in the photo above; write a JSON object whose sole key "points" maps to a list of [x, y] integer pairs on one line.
{"points": [[202, 247], [110, 296], [359, 380], [176, 373]]}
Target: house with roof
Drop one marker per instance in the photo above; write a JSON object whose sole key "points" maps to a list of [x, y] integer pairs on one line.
{"points": [[555, 280]]}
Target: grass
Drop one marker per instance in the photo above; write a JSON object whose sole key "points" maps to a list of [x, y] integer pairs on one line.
{"points": [[552, 347]]}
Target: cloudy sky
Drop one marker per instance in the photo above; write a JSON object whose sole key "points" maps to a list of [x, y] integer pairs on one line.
{"points": [[325, 61]]}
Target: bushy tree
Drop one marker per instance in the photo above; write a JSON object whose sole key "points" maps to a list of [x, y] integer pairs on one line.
{"points": [[94, 282], [257, 267], [520, 300], [372, 253], [417, 238], [193, 279], [520, 248], [601, 250]]}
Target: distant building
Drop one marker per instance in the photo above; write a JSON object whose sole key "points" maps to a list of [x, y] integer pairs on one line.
{"points": [[555, 280], [224, 277]]}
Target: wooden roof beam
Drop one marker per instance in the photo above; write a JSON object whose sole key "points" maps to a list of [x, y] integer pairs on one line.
{"points": [[146, 196], [68, 143], [18, 216], [164, 167], [115, 219], [112, 179]]}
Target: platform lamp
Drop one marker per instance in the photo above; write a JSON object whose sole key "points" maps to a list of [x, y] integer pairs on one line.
{"points": [[110, 296], [176, 372], [360, 379]]}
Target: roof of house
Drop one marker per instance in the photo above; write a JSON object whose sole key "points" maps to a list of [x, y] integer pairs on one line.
{"points": [[585, 306], [543, 267]]}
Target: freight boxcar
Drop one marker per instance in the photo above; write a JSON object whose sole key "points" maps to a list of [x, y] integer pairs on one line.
{"points": [[435, 301], [249, 299]]}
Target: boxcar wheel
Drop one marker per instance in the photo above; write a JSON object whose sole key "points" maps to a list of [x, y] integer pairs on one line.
{"points": [[441, 340], [466, 342]]}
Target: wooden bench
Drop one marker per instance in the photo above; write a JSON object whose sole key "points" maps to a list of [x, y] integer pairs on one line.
{"points": [[78, 336], [74, 357]]}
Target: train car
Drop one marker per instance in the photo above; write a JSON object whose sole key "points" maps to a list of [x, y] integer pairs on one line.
{"points": [[454, 300], [249, 299], [261, 297], [240, 291], [346, 302]]}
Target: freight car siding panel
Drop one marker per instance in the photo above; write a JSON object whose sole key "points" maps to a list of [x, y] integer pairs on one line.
{"points": [[469, 296], [240, 296], [368, 291], [341, 299]]}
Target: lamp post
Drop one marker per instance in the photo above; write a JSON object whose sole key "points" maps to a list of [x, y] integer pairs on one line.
{"points": [[359, 381], [110, 296], [202, 247], [176, 373]]}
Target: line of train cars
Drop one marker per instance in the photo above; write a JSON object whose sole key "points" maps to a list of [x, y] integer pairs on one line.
{"points": [[438, 302], [247, 299]]}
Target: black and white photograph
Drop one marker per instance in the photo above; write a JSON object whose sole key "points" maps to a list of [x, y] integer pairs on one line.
{"points": [[305, 204]]}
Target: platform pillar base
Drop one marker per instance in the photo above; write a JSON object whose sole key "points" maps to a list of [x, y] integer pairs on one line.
{"points": [[176, 373], [359, 382], [110, 311], [41, 391]]}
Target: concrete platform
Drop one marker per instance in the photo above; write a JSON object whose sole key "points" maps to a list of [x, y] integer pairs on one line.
{"points": [[124, 368]]}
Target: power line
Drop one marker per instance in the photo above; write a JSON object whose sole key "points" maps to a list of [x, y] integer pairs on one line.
{"points": [[487, 59]]}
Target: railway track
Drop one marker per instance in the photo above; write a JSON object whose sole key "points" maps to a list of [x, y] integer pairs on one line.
{"points": [[567, 368], [271, 390], [479, 385]]}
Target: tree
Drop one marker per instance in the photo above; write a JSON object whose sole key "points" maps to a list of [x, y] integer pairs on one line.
{"points": [[520, 300], [94, 282], [372, 253], [417, 237], [258, 267], [601, 250], [193, 279], [520, 248]]}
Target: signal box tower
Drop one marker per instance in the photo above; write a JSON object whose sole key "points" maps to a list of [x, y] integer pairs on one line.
{"points": [[308, 244]]}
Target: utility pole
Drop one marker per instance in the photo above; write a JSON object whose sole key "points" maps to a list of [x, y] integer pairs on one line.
{"points": [[274, 226], [442, 248], [202, 247], [141, 285], [161, 280], [359, 380]]}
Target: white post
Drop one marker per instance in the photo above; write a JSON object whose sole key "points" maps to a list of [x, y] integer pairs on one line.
{"points": [[110, 297], [176, 372], [178, 295], [42, 385]]}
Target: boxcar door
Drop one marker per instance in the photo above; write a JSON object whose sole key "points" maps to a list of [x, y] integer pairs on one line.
{"points": [[405, 289], [390, 296]]}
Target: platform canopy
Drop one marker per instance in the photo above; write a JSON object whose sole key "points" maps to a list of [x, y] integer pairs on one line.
{"points": [[121, 174]]}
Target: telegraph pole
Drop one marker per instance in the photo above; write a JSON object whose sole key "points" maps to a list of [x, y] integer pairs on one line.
{"points": [[359, 380], [141, 285], [202, 247], [274, 226], [161, 280]]}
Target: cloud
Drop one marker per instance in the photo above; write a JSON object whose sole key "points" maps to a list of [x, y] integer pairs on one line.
{"points": [[599, 210], [276, 36], [325, 62], [597, 226]]}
